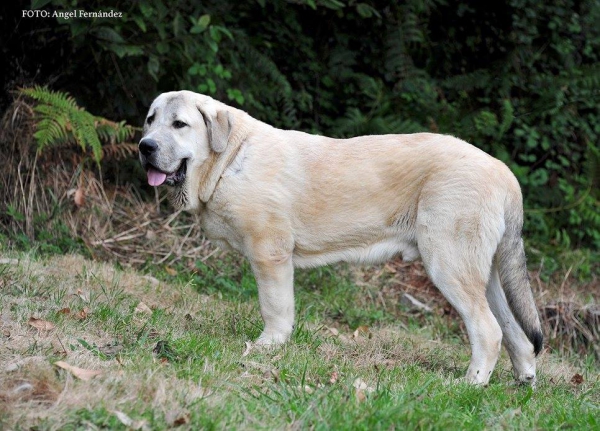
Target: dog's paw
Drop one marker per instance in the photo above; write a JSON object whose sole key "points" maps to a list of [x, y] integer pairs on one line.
{"points": [[270, 339], [526, 379], [459, 381]]}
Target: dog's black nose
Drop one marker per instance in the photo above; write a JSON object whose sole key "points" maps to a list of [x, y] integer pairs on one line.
{"points": [[148, 146]]}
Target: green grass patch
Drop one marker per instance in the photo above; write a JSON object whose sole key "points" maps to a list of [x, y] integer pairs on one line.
{"points": [[175, 354]]}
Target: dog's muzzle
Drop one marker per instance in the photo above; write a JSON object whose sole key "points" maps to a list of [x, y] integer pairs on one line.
{"points": [[156, 176]]}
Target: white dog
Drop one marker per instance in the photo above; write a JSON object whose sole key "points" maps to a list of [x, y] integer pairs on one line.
{"points": [[288, 199]]}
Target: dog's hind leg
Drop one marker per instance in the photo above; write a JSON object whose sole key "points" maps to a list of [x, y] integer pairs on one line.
{"points": [[515, 340], [485, 334], [459, 263]]}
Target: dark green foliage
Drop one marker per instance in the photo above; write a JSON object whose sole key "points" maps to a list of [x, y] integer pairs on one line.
{"points": [[518, 79]]}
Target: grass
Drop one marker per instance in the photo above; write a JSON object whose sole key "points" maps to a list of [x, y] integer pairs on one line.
{"points": [[174, 354]]}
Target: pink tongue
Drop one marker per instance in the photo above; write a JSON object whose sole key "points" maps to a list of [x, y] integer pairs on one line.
{"points": [[156, 178]]}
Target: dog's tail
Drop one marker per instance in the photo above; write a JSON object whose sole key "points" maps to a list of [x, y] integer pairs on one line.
{"points": [[510, 259]]}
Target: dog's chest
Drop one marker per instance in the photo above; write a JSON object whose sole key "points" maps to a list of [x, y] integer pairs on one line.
{"points": [[220, 232]]}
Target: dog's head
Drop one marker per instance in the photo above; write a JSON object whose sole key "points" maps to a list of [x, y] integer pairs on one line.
{"points": [[180, 132]]}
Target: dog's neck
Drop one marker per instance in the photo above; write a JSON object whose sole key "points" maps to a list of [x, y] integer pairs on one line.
{"points": [[212, 170]]}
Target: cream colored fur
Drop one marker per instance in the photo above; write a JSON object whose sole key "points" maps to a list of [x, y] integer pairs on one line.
{"points": [[288, 199]]}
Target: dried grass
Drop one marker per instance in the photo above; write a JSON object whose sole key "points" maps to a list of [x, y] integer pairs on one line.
{"points": [[120, 226], [32, 389], [115, 223]]}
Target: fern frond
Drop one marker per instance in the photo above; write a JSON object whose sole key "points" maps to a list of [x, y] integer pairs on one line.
{"points": [[121, 151], [263, 65], [59, 120], [410, 28], [356, 123], [62, 101], [468, 81], [50, 131], [394, 125], [585, 77], [398, 62]]}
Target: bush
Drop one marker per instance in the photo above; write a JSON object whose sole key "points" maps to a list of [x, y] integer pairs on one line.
{"points": [[518, 79]]}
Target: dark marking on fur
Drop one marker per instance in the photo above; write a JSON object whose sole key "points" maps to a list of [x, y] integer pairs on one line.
{"points": [[178, 196], [173, 105]]}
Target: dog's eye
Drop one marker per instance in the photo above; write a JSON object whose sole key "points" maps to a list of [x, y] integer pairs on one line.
{"points": [[178, 124], [150, 119]]}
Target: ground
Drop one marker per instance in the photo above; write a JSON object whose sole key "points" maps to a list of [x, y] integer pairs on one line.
{"points": [[88, 345]]}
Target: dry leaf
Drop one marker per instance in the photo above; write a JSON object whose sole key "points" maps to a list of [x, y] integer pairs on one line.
{"points": [[170, 271], [360, 395], [272, 374], [306, 389], [511, 413], [275, 373], [577, 379], [20, 363], [79, 197], [361, 330], [5, 261], [82, 295], [248, 348], [334, 377], [361, 388], [153, 281], [58, 347], [389, 268], [23, 387], [82, 314], [143, 308], [125, 420], [128, 422], [175, 418], [111, 349], [65, 310], [80, 373], [362, 385], [334, 331], [41, 325], [182, 420], [12, 367], [413, 303], [343, 338]]}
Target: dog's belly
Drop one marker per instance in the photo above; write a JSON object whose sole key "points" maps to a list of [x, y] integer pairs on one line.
{"points": [[374, 252]]}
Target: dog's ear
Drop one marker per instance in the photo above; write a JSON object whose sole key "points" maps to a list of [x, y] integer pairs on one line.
{"points": [[218, 126]]}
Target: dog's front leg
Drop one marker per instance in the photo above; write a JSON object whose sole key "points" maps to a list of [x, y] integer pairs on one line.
{"points": [[275, 279]]}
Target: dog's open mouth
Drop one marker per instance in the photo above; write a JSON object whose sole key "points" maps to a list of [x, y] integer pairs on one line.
{"points": [[157, 177]]}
